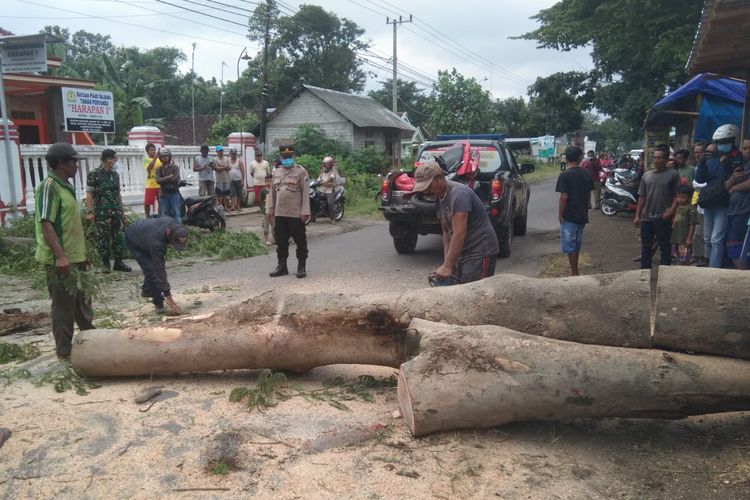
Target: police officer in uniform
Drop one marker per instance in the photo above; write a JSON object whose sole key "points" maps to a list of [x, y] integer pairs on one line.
{"points": [[289, 210], [104, 210]]}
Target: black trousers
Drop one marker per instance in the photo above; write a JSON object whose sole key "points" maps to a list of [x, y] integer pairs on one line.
{"points": [[284, 227], [661, 230], [69, 306]]}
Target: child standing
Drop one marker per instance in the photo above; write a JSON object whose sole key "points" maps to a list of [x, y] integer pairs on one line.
{"points": [[683, 226], [263, 199]]}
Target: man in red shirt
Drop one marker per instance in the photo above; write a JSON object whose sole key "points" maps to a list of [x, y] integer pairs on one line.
{"points": [[593, 166]]}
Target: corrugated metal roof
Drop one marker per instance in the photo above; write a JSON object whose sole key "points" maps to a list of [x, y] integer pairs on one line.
{"points": [[722, 42], [362, 111]]}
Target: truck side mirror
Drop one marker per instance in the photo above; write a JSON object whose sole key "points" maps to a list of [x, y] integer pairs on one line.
{"points": [[527, 168]]}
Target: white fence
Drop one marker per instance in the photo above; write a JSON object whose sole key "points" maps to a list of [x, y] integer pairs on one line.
{"points": [[129, 166]]}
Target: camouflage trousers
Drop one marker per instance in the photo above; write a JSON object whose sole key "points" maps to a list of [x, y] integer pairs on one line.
{"points": [[108, 233]]}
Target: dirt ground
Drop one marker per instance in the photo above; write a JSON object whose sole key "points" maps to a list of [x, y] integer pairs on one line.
{"points": [[191, 441]]}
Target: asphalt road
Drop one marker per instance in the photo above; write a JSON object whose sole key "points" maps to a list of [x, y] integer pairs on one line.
{"points": [[349, 258]]}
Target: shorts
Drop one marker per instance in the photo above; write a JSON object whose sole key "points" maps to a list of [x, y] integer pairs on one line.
{"points": [[150, 196], [736, 236], [235, 188], [476, 268], [571, 237], [205, 188], [682, 253], [222, 188], [746, 245]]}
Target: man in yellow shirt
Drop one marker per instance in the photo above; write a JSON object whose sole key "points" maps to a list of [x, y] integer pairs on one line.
{"points": [[151, 162]]}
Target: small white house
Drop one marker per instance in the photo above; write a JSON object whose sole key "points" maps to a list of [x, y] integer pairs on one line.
{"points": [[354, 120]]}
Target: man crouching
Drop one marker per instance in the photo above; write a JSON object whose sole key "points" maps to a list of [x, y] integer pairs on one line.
{"points": [[147, 240]]}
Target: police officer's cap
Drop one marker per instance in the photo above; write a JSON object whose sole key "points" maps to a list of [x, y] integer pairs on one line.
{"points": [[286, 149], [62, 151]]}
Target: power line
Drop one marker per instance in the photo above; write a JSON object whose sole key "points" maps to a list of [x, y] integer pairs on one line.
{"points": [[133, 4], [140, 26], [501, 71], [212, 5], [203, 13]]}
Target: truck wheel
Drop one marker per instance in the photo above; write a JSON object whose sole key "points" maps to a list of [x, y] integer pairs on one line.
{"points": [[406, 244], [519, 225], [504, 238]]}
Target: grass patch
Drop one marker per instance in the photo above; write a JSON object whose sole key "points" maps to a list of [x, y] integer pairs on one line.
{"points": [[542, 172], [273, 388], [220, 469], [360, 195], [221, 245], [8, 375], [17, 352], [66, 379], [558, 266]]}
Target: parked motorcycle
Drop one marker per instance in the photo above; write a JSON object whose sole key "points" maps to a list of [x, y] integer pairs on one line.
{"points": [[319, 203], [620, 193], [201, 211]]}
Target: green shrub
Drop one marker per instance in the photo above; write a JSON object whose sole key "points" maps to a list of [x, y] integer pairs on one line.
{"points": [[367, 160]]}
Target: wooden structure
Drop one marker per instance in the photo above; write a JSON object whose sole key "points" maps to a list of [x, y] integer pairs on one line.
{"points": [[722, 45]]}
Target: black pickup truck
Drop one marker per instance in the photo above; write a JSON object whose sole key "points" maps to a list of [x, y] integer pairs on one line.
{"points": [[497, 179]]}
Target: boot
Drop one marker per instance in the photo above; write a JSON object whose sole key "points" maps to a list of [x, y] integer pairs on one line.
{"points": [[301, 271], [280, 270], [121, 266], [105, 265]]}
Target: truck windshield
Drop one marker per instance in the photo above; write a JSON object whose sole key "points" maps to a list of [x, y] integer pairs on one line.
{"points": [[489, 157]]}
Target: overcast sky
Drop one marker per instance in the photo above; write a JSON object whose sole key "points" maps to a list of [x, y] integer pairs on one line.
{"points": [[468, 35]]}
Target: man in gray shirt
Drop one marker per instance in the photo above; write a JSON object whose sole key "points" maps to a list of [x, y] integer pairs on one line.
{"points": [[204, 165], [469, 242], [657, 204]]}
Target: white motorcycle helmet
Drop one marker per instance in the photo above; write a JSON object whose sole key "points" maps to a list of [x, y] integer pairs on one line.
{"points": [[726, 132]]}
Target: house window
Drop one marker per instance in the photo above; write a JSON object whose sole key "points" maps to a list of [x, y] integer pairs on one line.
{"points": [[369, 132]]}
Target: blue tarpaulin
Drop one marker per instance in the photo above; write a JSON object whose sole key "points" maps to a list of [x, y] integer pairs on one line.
{"points": [[722, 103]]}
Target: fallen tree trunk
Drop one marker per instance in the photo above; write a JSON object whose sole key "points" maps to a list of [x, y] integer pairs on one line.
{"points": [[484, 376], [301, 331], [703, 310]]}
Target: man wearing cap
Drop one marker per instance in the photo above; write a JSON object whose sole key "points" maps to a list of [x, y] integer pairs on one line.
{"points": [[168, 178], [104, 210], [205, 168], [469, 242], [147, 240], [61, 246], [289, 209]]}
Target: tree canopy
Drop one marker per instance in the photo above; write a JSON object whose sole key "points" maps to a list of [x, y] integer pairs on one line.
{"points": [[639, 49], [312, 46], [411, 99]]}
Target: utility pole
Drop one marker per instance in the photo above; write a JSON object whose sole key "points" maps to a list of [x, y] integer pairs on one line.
{"points": [[264, 90], [192, 99], [221, 97], [395, 22]]}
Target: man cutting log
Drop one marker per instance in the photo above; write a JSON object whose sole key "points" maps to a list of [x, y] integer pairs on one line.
{"points": [[469, 242]]}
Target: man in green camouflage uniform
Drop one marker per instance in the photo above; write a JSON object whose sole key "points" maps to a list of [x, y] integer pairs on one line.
{"points": [[104, 210]]}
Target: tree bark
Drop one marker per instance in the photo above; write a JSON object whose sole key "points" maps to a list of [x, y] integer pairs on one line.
{"points": [[300, 331], [484, 376], [703, 310]]}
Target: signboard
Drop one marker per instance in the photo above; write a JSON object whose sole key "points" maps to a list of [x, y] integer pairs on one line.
{"points": [[87, 110], [24, 56]]}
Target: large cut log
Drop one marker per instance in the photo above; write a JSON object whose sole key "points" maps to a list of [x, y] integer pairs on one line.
{"points": [[703, 310], [300, 331], [484, 376]]}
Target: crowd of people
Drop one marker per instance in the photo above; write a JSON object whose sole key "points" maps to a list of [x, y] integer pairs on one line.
{"points": [[61, 241], [693, 212]]}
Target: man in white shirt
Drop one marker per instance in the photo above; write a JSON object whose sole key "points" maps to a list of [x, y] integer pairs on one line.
{"points": [[258, 171]]}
